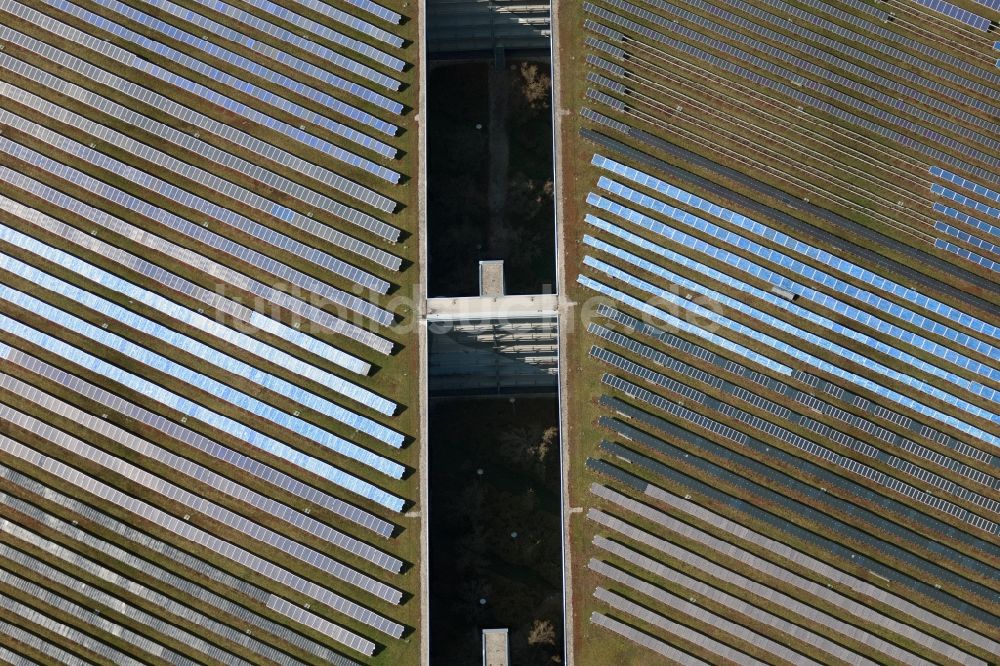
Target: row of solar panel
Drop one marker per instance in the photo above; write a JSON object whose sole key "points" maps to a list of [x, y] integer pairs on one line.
{"points": [[967, 219], [956, 12], [823, 257], [56, 604], [202, 382], [967, 254], [226, 132], [259, 261], [279, 35], [195, 261], [357, 24], [794, 581], [127, 59], [801, 443], [967, 238], [251, 531], [630, 633], [225, 549], [784, 414], [758, 271], [965, 201], [765, 39], [164, 278], [179, 559], [185, 467], [802, 500], [39, 369], [150, 623], [677, 604], [777, 624], [196, 320], [779, 345], [226, 188], [163, 337], [761, 82], [938, 172], [234, 428], [782, 325], [908, 43], [775, 548], [793, 76], [785, 22]]}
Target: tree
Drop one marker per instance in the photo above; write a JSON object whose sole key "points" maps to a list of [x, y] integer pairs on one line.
{"points": [[542, 633]]}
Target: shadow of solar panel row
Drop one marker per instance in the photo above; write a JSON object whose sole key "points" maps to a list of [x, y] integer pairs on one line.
{"points": [[159, 159], [157, 362], [802, 443], [957, 13], [234, 428], [633, 635], [225, 549], [172, 340], [217, 482], [791, 90], [196, 320], [98, 597], [161, 187], [127, 587], [800, 334], [743, 497], [765, 39], [864, 237], [789, 392], [707, 567], [130, 60], [81, 641], [848, 49], [872, 523], [703, 642], [685, 607], [964, 183], [177, 432], [136, 560], [782, 573], [963, 200], [250, 529], [741, 242]]}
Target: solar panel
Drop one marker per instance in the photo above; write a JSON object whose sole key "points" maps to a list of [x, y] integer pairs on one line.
{"points": [[179, 558], [816, 254], [225, 549], [163, 338], [955, 12], [632, 634], [756, 270], [966, 254]]}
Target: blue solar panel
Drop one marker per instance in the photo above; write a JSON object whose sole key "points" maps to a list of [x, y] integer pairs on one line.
{"points": [[968, 238], [948, 9], [966, 254], [816, 254], [963, 200]]}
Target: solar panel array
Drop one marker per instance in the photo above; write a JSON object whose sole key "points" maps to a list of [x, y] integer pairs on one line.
{"points": [[205, 211], [778, 232]]}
